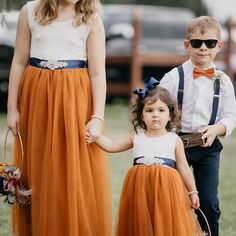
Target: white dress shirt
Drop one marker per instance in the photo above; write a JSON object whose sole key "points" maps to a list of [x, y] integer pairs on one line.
{"points": [[198, 99]]}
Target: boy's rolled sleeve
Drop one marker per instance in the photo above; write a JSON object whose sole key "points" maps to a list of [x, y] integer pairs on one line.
{"points": [[227, 114], [229, 127]]}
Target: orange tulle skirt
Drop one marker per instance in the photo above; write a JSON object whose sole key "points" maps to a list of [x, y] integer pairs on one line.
{"points": [[69, 179], [154, 202]]}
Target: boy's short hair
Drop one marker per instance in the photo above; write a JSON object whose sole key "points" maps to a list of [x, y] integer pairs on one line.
{"points": [[202, 24]]}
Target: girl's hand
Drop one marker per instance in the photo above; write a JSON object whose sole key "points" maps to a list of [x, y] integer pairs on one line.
{"points": [[13, 120], [87, 137], [195, 202], [93, 130]]}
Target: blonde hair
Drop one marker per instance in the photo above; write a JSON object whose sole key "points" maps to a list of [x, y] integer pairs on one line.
{"points": [[203, 24], [86, 11]]}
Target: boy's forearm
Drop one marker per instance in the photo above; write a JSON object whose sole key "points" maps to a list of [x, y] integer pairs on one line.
{"points": [[220, 129]]}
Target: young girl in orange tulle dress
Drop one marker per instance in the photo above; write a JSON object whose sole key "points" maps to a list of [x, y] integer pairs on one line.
{"points": [[159, 191], [53, 99]]}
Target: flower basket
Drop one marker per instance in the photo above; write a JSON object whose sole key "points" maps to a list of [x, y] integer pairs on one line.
{"points": [[10, 180]]}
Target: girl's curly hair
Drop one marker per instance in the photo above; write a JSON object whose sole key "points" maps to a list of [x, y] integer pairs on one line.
{"points": [[151, 97]]}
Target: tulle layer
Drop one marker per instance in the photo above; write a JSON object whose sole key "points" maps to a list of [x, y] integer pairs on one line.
{"points": [[154, 201], [69, 179]]}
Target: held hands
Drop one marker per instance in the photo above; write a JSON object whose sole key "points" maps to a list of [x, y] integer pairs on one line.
{"points": [[13, 120], [93, 129], [210, 132]]}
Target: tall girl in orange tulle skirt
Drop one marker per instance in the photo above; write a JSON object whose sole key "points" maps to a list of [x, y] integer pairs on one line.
{"points": [[54, 98], [159, 190]]}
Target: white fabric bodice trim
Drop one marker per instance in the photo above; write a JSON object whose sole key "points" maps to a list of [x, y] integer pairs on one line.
{"points": [[58, 40], [149, 147]]}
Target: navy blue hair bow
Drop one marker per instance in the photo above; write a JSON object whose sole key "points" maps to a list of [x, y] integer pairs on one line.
{"points": [[149, 84]]}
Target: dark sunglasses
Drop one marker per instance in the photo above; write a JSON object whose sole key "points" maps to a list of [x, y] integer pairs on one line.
{"points": [[197, 43]]}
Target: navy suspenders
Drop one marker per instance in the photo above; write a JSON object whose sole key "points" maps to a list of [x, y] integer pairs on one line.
{"points": [[215, 101], [180, 94]]}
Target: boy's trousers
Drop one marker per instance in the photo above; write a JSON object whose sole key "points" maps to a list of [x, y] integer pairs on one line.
{"points": [[205, 162]]}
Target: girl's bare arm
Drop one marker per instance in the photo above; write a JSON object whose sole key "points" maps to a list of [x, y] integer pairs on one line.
{"points": [[19, 63], [186, 173], [115, 145], [96, 66]]}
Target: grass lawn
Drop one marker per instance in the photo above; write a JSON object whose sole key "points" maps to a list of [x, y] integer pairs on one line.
{"points": [[117, 124]]}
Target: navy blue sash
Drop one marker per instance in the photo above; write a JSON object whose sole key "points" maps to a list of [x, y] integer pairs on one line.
{"points": [[56, 64], [163, 161]]}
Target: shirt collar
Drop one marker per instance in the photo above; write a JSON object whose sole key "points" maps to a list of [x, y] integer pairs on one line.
{"points": [[191, 65]]}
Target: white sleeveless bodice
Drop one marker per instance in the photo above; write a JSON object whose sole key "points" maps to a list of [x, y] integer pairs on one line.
{"points": [[163, 146], [60, 40]]}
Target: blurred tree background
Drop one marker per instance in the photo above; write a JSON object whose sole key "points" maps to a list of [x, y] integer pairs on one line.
{"points": [[12, 4], [197, 6]]}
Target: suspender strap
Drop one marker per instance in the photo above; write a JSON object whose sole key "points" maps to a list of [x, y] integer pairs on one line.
{"points": [[180, 94], [215, 100]]}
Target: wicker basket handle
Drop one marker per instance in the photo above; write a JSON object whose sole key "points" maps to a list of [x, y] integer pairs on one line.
{"points": [[21, 145], [207, 224]]}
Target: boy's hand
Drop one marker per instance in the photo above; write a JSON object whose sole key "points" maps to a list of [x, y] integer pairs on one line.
{"points": [[210, 132], [195, 203]]}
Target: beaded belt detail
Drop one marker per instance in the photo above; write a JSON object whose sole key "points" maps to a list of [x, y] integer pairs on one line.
{"points": [[57, 64], [147, 160]]}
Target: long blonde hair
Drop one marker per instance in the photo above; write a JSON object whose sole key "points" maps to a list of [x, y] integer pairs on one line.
{"points": [[86, 11]]}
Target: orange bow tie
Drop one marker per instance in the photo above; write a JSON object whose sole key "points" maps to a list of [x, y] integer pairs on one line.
{"points": [[200, 72]]}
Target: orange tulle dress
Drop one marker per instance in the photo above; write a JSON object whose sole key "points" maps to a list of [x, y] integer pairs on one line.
{"points": [[69, 179], [154, 200]]}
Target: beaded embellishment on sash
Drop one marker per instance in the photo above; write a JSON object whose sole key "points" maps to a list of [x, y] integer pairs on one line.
{"points": [[150, 161], [53, 64]]}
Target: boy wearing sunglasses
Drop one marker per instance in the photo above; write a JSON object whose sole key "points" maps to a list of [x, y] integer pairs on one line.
{"points": [[206, 97]]}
